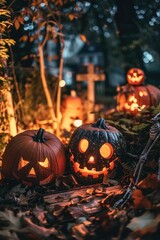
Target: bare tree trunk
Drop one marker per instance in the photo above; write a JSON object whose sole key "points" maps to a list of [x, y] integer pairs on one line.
{"points": [[45, 86], [15, 82], [10, 112], [59, 97]]}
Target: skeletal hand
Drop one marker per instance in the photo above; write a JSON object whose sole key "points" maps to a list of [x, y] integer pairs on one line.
{"points": [[121, 202]]}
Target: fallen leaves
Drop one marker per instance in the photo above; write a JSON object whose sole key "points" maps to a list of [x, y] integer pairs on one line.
{"points": [[151, 182], [80, 230], [147, 223], [140, 201], [79, 213], [7, 218], [36, 231], [19, 226]]}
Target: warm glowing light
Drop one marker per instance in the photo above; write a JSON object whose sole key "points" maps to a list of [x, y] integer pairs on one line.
{"points": [[22, 163], [86, 172], [132, 99], [77, 123], [126, 106], [91, 159], [135, 76], [62, 83], [83, 145], [134, 106], [143, 93], [106, 150], [143, 106], [44, 164], [32, 172]]}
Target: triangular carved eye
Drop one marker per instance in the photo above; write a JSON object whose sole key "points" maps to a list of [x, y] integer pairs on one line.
{"points": [[22, 163], [45, 164]]}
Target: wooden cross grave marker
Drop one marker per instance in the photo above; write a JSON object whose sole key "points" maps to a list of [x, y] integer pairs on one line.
{"points": [[90, 77]]}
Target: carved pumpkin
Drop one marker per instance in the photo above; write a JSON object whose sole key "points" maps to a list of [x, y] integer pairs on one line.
{"points": [[135, 76], [34, 157], [134, 97], [93, 150], [71, 110]]}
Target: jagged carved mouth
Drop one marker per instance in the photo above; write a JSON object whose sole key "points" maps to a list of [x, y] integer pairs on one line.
{"points": [[85, 172], [44, 181]]}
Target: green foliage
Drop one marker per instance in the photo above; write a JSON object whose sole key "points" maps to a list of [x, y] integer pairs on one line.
{"points": [[135, 130], [5, 42]]}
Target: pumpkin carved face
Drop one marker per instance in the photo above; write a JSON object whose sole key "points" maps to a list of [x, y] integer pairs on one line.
{"points": [[34, 157], [135, 97], [135, 76], [93, 150]]}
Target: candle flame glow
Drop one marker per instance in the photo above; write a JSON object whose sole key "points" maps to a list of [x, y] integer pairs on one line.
{"points": [[62, 83], [91, 159], [77, 122]]}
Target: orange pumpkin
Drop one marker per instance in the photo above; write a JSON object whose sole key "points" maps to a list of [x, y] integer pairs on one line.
{"points": [[135, 96], [34, 157], [135, 76], [71, 110]]}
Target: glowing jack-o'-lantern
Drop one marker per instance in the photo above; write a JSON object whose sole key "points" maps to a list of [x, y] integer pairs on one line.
{"points": [[135, 76], [135, 96], [93, 150], [34, 157], [71, 109]]}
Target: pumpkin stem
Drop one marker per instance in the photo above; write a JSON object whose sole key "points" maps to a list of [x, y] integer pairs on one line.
{"points": [[101, 123], [39, 136]]}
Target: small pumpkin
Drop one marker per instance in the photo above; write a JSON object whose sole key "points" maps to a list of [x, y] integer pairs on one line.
{"points": [[135, 96], [34, 157], [71, 109], [135, 76], [93, 150]]}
